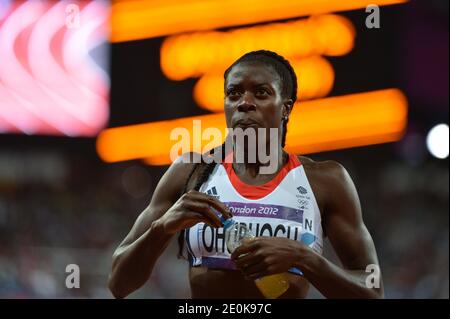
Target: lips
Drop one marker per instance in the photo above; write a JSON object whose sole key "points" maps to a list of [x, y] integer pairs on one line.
{"points": [[246, 123]]}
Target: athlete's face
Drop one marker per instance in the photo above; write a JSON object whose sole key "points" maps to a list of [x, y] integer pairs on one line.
{"points": [[253, 97]]}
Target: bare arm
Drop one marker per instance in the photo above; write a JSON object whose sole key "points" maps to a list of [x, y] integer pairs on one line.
{"points": [[135, 257], [347, 233], [168, 213], [351, 240]]}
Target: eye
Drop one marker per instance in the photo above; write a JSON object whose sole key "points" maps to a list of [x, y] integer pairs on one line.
{"points": [[262, 92], [232, 92]]}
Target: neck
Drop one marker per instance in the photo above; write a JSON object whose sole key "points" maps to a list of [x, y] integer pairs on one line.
{"points": [[251, 160], [254, 169]]}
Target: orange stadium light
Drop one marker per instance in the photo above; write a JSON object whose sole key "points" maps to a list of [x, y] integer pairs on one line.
{"points": [[314, 126], [140, 19], [315, 77], [195, 54]]}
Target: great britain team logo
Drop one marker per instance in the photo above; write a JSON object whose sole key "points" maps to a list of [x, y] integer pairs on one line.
{"points": [[302, 190]]}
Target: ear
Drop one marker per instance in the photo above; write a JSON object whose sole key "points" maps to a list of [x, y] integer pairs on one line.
{"points": [[287, 107]]}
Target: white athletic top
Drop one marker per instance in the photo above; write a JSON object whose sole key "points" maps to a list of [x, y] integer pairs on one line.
{"points": [[283, 207]]}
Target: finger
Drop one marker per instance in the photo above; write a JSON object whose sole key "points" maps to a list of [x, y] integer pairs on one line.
{"points": [[246, 260], [205, 210], [219, 206], [255, 270], [214, 202], [246, 248], [197, 217]]}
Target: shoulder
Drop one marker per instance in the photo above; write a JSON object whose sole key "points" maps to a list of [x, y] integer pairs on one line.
{"points": [[329, 179], [186, 170], [179, 173], [328, 170]]}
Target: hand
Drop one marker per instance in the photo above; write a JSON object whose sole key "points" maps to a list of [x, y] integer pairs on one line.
{"points": [[264, 256], [191, 208]]}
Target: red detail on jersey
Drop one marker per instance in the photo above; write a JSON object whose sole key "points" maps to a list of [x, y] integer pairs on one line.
{"points": [[258, 191]]}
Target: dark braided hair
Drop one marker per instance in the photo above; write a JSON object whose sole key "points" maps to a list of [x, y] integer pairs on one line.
{"points": [[288, 81], [203, 177]]}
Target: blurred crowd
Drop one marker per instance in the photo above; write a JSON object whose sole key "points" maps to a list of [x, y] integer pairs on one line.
{"points": [[56, 210]]}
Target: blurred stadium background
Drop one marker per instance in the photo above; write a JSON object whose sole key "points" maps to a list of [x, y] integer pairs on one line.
{"points": [[88, 89]]}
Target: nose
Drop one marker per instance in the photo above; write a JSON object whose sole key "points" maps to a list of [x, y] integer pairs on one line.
{"points": [[247, 103]]}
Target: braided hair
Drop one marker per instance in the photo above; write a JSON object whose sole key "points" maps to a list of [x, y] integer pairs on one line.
{"points": [[288, 81], [203, 177]]}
